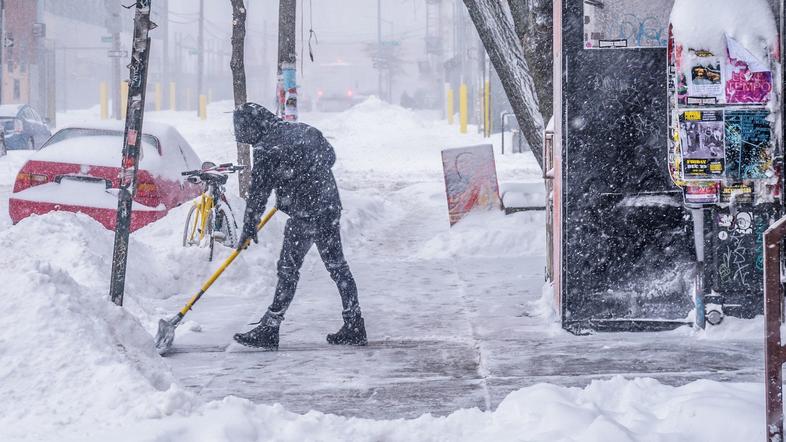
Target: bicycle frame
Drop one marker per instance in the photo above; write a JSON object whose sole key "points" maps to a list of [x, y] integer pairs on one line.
{"points": [[204, 206]]}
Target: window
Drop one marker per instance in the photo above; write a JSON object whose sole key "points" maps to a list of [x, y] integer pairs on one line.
{"points": [[17, 89]]}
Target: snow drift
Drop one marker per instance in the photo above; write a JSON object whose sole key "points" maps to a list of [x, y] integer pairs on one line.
{"points": [[71, 360]]}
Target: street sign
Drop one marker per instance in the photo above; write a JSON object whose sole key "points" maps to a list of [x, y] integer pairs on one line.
{"points": [[117, 54], [107, 39], [39, 30]]}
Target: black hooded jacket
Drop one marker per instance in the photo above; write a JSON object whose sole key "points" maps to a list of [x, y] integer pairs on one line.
{"points": [[294, 159]]}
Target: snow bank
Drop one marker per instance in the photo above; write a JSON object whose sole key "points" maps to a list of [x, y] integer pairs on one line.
{"points": [[704, 25], [71, 361], [489, 234], [612, 410]]}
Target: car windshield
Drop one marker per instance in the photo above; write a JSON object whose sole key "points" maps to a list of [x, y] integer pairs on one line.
{"points": [[76, 132]]}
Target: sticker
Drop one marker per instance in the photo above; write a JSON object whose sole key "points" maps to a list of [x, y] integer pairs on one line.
{"points": [[132, 137], [700, 193], [749, 80], [748, 144], [624, 24], [740, 192], [702, 143]]}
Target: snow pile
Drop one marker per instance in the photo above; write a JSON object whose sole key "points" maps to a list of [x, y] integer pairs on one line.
{"points": [[71, 359], [704, 25], [489, 234], [613, 410]]}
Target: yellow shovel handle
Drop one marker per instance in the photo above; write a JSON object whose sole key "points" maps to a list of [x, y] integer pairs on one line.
{"points": [[225, 264]]}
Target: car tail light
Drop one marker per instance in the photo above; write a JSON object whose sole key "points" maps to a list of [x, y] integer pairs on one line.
{"points": [[146, 190], [18, 126], [26, 180]]}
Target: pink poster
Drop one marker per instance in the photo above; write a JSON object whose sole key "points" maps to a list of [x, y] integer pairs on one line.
{"points": [[470, 180], [748, 79]]}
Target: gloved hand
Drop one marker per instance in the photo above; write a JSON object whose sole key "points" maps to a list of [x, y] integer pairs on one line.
{"points": [[249, 230]]}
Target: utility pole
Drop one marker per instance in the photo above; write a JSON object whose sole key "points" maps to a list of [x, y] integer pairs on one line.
{"points": [[165, 55], [201, 52], [287, 60], [2, 46], [113, 26], [379, 49]]}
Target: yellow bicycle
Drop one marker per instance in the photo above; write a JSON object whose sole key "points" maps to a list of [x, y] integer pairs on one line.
{"points": [[210, 218]]}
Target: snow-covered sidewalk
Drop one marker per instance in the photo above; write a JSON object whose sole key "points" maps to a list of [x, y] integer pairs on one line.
{"points": [[456, 320]]}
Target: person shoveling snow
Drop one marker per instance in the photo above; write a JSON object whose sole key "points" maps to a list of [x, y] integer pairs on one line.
{"points": [[296, 160]]}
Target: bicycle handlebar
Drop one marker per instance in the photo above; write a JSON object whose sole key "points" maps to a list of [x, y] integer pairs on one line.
{"points": [[221, 168]]}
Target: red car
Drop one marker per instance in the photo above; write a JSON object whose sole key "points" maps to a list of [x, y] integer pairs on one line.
{"points": [[78, 169]]}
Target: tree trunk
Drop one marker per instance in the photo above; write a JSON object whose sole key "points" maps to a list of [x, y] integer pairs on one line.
{"points": [[238, 66], [504, 49], [534, 24]]}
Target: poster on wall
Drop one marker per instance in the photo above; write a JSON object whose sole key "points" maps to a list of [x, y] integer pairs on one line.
{"points": [[702, 142], [470, 180], [622, 24], [702, 193], [749, 79], [748, 144]]}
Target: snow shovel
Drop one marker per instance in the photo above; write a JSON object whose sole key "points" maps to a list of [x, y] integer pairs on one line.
{"points": [[166, 327]]}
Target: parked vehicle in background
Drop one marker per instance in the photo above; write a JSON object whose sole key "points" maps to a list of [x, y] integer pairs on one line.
{"points": [[78, 169], [3, 148], [23, 127]]}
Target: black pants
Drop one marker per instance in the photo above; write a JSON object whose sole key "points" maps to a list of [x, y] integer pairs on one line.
{"points": [[299, 235]]}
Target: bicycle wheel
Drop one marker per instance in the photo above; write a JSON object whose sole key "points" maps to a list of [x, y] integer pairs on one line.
{"points": [[209, 227], [191, 227], [227, 227]]}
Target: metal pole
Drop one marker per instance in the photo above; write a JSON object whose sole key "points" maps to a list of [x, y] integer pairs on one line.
{"points": [[773, 318], [379, 48], [165, 55], [116, 74], [2, 46], [201, 49]]}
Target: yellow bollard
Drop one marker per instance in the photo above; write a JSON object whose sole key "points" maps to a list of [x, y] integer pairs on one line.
{"points": [[123, 99], [487, 108], [450, 110], [463, 109], [203, 107], [172, 96], [158, 97], [103, 99]]}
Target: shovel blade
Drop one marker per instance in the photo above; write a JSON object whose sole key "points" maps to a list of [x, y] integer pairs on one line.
{"points": [[166, 334]]}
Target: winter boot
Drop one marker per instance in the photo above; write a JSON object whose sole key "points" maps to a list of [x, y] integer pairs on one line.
{"points": [[352, 333], [264, 335]]}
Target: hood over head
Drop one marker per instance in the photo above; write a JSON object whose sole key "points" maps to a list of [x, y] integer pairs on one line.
{"points": [[252, 122]]}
